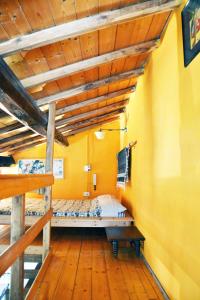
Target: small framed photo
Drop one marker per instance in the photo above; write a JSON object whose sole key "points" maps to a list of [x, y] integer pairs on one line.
{"points": [[58, 171], [191, 30]]}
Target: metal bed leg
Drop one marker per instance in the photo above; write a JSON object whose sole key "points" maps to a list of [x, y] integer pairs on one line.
{"points": [[115, 248]]}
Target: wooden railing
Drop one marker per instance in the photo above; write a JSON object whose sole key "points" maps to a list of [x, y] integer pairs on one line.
{"points": [[12, 185], [16, 186]]}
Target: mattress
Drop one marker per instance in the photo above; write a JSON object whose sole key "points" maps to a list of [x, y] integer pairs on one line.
{"points": [[68, 208]]}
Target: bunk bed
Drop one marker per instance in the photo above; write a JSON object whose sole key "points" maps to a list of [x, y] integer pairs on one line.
{"points": [[102, 211]]}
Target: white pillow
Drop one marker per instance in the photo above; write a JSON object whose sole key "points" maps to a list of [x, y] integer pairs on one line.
{"points": [[103, 198], [110, 206]]}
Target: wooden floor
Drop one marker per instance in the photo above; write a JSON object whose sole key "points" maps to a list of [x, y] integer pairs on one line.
{"points": [[82, 268]]}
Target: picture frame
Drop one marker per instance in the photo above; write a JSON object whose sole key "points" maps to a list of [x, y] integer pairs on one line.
{"points": [[37, 166], [191, 30], [58, 168]]}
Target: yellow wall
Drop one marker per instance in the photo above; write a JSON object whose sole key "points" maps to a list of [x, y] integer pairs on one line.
{"points": [[83, 149], [164, 193]]}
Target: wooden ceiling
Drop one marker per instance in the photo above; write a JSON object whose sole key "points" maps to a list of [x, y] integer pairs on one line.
{"points": [[84, 55]]}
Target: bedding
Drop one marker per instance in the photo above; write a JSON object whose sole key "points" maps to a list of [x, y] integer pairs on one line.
{"points": [[101, 206], [110, 206]]}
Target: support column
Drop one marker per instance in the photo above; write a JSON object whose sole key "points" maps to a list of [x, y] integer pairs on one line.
{"points": [[17, 230], [49, 169]]}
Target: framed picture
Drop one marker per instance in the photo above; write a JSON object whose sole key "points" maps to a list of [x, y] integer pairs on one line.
{"points": [[31, 166], [58, 168], [37, 166], [191, 30]]}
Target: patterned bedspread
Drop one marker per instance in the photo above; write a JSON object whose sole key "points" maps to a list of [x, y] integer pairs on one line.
{"points": [[61, 208], [76, 208]]}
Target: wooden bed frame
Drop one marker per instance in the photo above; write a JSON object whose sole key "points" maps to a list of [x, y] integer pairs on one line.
{"points": [[76, 221]]}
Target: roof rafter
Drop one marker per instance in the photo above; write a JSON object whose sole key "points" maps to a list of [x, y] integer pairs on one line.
{"points": [[73, 132], [89, 86], [73, 126], [19, 136], [3, 114], [26, 146], [87, 64], [96, 100], [22, 143], [90, 113], [17, 102], [36, 142], [92, 120], [69, 108], [29, 133], [11, 127], [85, 25]]}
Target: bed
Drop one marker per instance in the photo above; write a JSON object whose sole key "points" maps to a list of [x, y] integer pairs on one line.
{"points": [[102, 211]]}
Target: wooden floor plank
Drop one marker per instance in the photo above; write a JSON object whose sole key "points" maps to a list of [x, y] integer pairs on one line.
{"points": [[82, 267], [128, 279], [65, 287], [146, 283], [138, 286], [151, 280], [100, 289], [61, 246], [52, 275], [83, 283], [115, 277]]}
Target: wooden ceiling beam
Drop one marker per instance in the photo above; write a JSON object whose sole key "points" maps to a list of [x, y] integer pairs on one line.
{"points": [[18, 103], [73, 132], [20, 144], [90, 113], [96, 100], [30, 140], [69, 108], [34, 140], [84, 65], [39, 140], [16, 100], [91, 120], [88, 87], [85, 25], [25, 147], [3, 114], [20, 136], [30, 134], [10, 128], [20, 112]]}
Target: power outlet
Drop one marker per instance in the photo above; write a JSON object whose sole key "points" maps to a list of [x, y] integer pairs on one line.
{"points": [[86, 194], [87, 168]]}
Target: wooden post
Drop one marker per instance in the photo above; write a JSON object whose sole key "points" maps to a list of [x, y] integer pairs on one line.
{"points": [[17, 230], [49, 169]]}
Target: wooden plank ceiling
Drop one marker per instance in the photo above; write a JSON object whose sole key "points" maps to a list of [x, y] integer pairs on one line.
{"points": [[85, 55]]}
